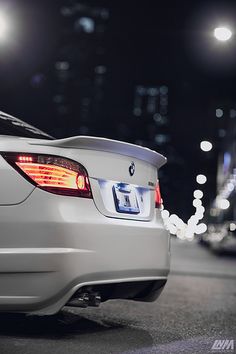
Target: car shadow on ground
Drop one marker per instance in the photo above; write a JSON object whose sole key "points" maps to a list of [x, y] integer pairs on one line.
{"points": [[71, 327], [59, 325]]}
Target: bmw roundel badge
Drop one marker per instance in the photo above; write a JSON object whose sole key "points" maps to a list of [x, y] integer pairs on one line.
{"points": [[132, 168]]}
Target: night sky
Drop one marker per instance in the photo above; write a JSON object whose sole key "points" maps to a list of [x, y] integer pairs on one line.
{"points": [[150, 43]]}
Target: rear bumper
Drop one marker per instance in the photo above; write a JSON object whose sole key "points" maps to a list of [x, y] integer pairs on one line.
{"points": [[57, 245]]}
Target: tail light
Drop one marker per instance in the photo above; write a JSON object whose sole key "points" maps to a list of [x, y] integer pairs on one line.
{"points": [[158, 199], [52, 173]]}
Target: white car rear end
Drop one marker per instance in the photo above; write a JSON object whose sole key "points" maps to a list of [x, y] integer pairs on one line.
{"points": [[80, 223]]}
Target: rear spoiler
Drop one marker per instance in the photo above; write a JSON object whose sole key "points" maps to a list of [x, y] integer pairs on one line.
{"points": [[108, 145]]}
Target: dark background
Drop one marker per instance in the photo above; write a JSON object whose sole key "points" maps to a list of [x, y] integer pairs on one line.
{"points": [[93, 67]]}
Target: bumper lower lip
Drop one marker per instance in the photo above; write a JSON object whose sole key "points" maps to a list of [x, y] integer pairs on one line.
{"points": [[52, 304]]}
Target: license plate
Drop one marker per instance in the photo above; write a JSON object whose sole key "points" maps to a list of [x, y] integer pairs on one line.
{"points": [[125, 198]]}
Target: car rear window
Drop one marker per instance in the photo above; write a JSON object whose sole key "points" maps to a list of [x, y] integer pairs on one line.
{"points": [[10, 125]]}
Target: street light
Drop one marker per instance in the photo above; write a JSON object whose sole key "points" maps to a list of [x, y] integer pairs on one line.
{"points": [[206, 146], [222, 34]]}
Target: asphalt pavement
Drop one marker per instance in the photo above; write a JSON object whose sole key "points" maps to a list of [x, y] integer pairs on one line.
{"points": [[197, 307]]}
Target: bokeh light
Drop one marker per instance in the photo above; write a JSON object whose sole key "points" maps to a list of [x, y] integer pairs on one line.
{"points": [[198, 194], [222, 34], [206, 145], [201, 179], [197, 203], [223, 203], [219, 113], [200, 228], [3, 26]]}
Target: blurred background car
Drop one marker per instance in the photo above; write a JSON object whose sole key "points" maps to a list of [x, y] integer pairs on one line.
{"points": [[205, 238], [222, 239]]}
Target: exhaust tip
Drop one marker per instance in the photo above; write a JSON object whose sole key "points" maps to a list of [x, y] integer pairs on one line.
{"points": [[84, 300], [94, 300], [80, 301]]}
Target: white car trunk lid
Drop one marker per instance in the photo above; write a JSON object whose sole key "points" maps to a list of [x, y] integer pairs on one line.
{"points": [[122, 175]]}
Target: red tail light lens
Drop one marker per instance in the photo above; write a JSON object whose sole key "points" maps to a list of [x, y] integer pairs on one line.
{"points": [[158, 199], [52, 173]]}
